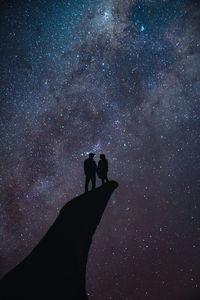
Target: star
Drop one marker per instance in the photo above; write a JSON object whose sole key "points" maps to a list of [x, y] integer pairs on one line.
{"points": [[119, 78]]}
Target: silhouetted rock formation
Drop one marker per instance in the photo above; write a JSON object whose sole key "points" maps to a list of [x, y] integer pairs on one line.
{"points": [[56, 267]]}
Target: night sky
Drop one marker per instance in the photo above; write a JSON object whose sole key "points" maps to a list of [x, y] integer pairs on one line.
{"points": [[119, 77]]}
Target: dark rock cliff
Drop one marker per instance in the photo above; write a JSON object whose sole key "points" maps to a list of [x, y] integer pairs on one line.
{"points": [[56, 267]]}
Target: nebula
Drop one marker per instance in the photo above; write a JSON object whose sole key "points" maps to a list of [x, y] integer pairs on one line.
{"points": [[114, 77]]}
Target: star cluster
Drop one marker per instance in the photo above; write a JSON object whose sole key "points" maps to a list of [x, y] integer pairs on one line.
{"points": [[119, 77]]}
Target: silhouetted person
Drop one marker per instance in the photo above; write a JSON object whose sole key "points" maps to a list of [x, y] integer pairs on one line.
{"points": [[102, 169], [90, 169]]}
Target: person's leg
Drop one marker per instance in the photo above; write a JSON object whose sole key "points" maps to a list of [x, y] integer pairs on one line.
{"points": [[93, 182], [102, 179], [87, 179]]}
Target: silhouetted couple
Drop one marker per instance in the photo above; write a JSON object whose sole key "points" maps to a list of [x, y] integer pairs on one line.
{"points": [[91, 170]]}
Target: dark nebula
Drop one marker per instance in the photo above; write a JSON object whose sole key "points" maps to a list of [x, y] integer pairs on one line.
{"points": [[119, 77]]}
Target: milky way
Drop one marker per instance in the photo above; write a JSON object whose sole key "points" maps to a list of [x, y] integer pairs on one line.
{"points": [[119, 77]]}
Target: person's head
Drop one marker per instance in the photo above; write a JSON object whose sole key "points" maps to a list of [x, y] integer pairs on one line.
{"points": [[91, 155], [102, 156]]}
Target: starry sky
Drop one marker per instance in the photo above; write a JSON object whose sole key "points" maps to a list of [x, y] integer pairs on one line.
{"points": [[119, 77]]}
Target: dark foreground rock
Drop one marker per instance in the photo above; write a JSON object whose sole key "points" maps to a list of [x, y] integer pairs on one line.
{"points": [[56, 267]]}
